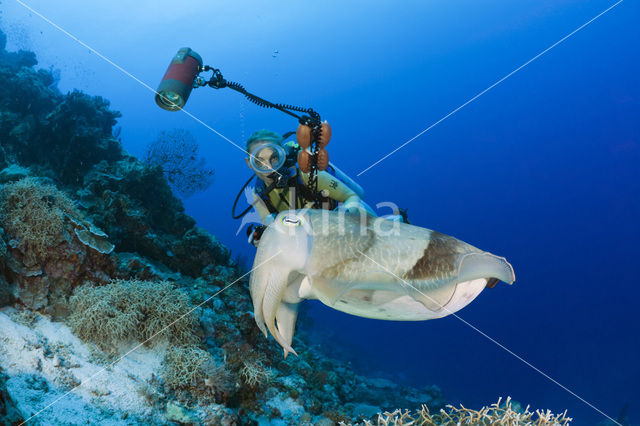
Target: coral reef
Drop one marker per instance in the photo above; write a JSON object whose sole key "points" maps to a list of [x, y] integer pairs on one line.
{"points": [[185, 366], [499, 413], [45, 256], [254, 373], [123, 310], [33, 214], [134, 205], [43, 361], [97, 256]]}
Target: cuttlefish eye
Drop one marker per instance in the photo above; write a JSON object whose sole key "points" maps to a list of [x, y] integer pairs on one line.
{"points": [[290, 220]]}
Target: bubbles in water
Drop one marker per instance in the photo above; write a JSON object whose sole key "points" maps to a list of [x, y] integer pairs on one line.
{"points": [[18, 37]]}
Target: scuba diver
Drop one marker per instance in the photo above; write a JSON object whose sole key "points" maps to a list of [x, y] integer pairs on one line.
{"points": [[282, 185]]}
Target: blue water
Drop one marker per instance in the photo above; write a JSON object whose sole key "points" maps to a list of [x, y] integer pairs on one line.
{"points": [[542, 169]]}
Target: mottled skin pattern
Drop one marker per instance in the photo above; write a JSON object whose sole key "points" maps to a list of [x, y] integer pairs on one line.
{"points": [[337, 241], [344, 255], [440, 258], [418, 262]]}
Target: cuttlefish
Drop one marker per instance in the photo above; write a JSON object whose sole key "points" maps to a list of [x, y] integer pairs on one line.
{"points": [[366, 266]]}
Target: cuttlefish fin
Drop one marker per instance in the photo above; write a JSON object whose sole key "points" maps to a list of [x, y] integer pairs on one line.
{"points": [[485, 265], [324, 291], [330, 291], [471, 267], [286, 316]]}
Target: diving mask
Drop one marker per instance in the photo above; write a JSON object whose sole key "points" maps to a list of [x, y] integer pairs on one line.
{"points": [[267, 158]]}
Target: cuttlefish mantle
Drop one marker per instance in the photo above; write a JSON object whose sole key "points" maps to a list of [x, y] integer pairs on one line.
{"points": [[365, 266]]}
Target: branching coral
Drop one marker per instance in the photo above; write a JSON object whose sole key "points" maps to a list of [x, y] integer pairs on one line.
{"points": [[191, 368], [185, 365], [496, 414], [32, 213], [140, 310], [254, 373], [248, 364]]}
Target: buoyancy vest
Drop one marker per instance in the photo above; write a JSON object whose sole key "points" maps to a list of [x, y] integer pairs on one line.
{"points": [[296, 186]]}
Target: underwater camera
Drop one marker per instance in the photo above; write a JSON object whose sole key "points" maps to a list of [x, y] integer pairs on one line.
{"points": [[179, 80]]}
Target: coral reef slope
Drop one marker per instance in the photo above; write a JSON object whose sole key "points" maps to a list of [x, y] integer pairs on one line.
{"points": [[107, 307]]}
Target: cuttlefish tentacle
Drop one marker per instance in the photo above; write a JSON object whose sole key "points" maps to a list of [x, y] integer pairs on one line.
{"points": [[286, 316], [268, 280], [260, 278], [272, 303]]}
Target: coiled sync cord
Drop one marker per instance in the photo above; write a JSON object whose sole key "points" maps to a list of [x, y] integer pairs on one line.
{"points": [[312, 120]]}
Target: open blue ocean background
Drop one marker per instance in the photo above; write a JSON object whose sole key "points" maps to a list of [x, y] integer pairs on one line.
{"points": [[543, 169]]}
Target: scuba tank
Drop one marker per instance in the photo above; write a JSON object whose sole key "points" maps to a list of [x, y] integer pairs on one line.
{"points": [[344, 178]]}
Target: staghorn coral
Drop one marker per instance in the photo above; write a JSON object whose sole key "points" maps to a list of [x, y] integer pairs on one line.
{"points": [[499, 413], [193, 369], [24, 317], [32, 213], [131, 309]]}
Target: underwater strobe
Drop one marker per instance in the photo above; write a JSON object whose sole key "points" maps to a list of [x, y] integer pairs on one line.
{"points": [[176, 85]]}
